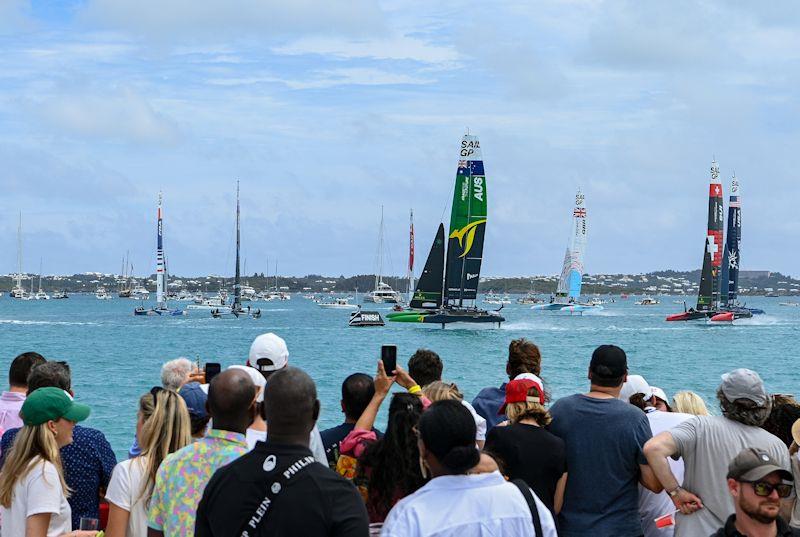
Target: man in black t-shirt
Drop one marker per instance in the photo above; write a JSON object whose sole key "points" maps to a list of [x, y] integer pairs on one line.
{"points": [[357, 392], [277, 489]]}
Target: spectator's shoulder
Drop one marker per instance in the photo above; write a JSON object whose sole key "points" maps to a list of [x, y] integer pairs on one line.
{"points": [[9, 436], [87, 433]]}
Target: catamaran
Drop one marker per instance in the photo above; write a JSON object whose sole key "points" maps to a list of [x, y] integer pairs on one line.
{"points": [[446, 292], [383, 292], [236, 308], [161, 308], [568, 292], [710, 305], [40, 294]]}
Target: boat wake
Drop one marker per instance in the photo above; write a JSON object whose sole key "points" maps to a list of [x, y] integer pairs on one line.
{"points": [[63, 323]]}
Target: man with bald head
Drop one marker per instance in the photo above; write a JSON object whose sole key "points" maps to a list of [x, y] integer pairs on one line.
{"points": [[183, 475], [278, 488]]}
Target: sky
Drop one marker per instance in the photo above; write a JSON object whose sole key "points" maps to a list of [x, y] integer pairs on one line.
{"points": [[326, 111]]}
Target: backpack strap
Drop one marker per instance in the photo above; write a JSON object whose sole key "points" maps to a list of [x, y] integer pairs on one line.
{"points": [[528, 495], [275, 484]]}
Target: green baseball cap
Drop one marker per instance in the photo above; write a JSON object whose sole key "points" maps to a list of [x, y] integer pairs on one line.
{"points": [[45, 404]]}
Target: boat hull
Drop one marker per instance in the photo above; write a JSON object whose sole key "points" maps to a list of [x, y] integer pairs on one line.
{"points": [[447, 316], [690, 316]]}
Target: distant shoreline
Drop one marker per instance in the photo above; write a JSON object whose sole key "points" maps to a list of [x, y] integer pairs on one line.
{"points": [[669, 282]]}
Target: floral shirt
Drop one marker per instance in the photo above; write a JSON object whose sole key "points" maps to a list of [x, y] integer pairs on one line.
{"points": [[182, 478]]}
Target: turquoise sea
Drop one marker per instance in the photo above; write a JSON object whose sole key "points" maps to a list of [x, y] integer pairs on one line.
{"points": [[115, 357]]}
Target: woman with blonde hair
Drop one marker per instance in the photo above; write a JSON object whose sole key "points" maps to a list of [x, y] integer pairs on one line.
{"points": [[442, 391], [33, 494], [524, 448], [162, 427], [690, 403]]}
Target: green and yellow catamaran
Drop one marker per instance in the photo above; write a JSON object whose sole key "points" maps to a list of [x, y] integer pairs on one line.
{"points": [[446, 291]]}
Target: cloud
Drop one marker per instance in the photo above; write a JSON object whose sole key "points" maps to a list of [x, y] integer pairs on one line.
{"points": [[383, 48], [122, 115], [177, 20]]}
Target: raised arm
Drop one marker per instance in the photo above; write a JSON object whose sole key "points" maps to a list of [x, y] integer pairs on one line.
{"points": [[382, 385]]}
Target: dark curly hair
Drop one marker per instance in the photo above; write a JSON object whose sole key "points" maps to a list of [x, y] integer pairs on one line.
{"points": [[744, 411], [391, 465], [785, 411], [523, 357]]}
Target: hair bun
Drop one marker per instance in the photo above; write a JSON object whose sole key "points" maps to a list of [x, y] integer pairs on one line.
{"points": [[462, 458]]}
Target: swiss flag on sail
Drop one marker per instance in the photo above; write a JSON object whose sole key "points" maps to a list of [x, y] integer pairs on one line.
{"points": [[715, 190]]}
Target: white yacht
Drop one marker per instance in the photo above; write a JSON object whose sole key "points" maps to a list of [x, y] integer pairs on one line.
{"points": [[184, 295], [102, 294], [140, 293], [60, 295], [383, 292], [647, 301], [338, 303], [211, 303], [18, 291], [248, 293], [41, 295]]}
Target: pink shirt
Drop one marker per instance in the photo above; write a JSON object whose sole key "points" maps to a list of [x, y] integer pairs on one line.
{"points": [[10, 405]]}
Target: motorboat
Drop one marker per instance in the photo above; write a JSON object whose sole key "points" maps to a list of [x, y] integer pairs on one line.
{"points": [[60, 295], [338, 303], [383, 293], [140, 293], [647, 301], [102, 294], [41, 295]]}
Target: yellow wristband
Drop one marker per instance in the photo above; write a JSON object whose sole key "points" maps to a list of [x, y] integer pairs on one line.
{"points": [[415, 389]]}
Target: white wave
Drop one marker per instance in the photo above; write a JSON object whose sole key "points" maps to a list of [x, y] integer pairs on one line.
{"points": [[17, 321]]}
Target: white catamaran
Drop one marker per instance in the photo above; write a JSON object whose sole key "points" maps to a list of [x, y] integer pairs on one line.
{"points": [[383, 292], [568, 292]]}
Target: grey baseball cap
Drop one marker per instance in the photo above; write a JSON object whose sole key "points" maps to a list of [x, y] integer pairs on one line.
{"points": [[752, 464], [744, 384]]}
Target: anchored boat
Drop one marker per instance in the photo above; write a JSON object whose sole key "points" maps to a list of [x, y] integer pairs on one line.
{"points": [[446, 292], [568, 292]]}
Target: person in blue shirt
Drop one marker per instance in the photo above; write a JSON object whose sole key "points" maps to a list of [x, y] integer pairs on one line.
{"points": [[523, 357], [604, 437], [88, 461], [357, 392]]}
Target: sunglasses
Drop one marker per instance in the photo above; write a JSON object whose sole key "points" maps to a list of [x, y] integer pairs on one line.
{"points": [[762, 488]]}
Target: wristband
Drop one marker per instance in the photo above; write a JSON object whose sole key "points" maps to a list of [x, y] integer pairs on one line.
{"points": [[415, 389]]}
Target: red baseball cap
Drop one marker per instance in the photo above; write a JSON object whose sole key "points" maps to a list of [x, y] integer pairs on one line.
{"points": [[517, 392]]}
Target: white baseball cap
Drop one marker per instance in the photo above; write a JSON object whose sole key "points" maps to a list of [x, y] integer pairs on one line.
{"points": [[257, 378], [635, 384], [268, 353], [530, 376], [658, 392]]}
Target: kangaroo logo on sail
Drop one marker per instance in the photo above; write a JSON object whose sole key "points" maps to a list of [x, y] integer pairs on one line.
{"points": [[467, 231]]}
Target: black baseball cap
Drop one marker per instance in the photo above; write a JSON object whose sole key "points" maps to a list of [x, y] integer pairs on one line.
{"points": [[608, 362], [752, 464]]}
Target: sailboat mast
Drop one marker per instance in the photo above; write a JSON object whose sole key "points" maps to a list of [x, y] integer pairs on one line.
{"points": [[19, 252], [411, 257], [40, 274], [379, 275], [237, 288], [709, 291], [160, 262]]}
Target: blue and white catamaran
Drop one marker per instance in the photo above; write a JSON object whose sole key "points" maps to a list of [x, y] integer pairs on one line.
{"points": [[161, 308], [568, 292]]}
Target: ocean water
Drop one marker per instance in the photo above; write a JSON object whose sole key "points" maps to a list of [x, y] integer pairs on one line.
{"points": [[116, 357]]}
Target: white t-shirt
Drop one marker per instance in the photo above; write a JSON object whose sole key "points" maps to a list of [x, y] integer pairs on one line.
{"points": [[314, 443], [466, 506], [125, 491], [480, 423], [652, 506], [38, 492]]}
